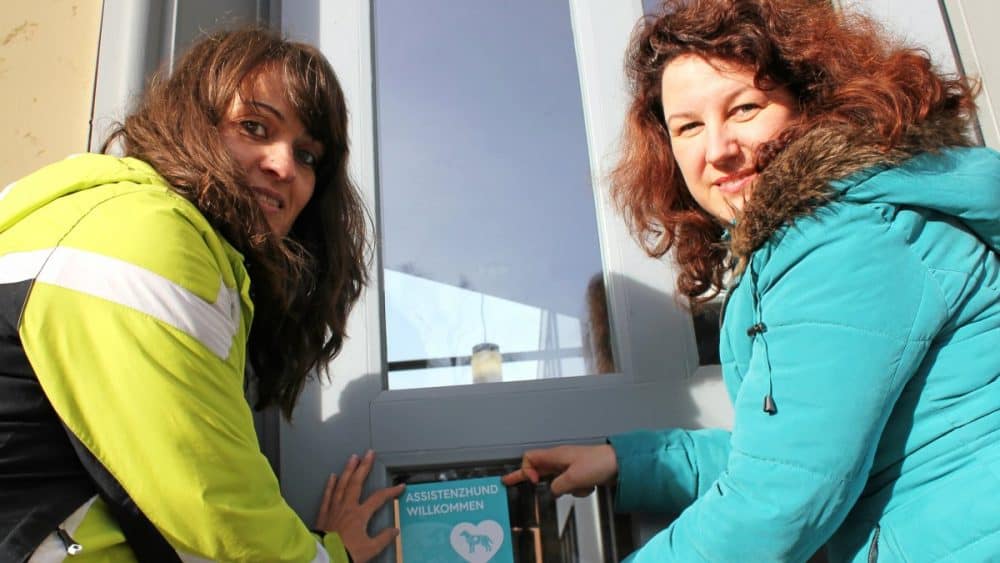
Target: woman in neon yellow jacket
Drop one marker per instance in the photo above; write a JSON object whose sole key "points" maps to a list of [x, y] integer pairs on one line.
{"points": [[823, 173], [125, 319]]}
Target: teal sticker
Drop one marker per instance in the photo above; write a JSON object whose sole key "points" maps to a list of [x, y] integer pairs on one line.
{"points": [[462, 521]]}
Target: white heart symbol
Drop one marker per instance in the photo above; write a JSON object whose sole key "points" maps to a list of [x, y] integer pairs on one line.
{"points": [[477, 544]]}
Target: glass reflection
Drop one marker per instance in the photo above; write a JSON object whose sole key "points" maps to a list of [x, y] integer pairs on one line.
{"points": [[487, 211]]}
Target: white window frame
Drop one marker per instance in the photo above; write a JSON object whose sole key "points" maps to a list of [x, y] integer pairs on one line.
{"points": [[971, 24]]}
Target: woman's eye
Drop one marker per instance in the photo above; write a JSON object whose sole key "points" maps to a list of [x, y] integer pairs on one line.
{"points": [[255, 128], [687, 128], [307, 158], [746, 110]]}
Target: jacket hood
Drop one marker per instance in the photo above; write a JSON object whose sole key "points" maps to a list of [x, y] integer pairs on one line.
{"points": [[74, 174], [843, 162], [970, 193]]}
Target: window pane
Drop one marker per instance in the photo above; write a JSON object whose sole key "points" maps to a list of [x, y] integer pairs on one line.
{"points": [[489, 231], [651, 7]]}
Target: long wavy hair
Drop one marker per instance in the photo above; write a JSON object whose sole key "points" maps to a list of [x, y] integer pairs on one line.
{"points": [[842, 67], [304, 284]]}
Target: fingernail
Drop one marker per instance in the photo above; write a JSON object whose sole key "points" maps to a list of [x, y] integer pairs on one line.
{"points": [[369, 453]]}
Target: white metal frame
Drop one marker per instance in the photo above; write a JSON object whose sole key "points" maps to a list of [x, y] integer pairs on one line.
{"points": [[128, 52], [973, 26]]}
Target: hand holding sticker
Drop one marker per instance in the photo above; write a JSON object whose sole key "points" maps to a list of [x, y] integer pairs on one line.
{"points": [[438, 522]]}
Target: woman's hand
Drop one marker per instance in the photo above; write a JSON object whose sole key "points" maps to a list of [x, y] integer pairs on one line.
{"points": [[343, 512], [578, 469]]}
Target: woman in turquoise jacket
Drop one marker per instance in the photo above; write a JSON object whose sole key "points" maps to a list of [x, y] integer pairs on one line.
{"points": [[135, 291], [820, 176]]}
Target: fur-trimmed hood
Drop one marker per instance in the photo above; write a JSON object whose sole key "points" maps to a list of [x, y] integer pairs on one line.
{"points": [[832, 162]]}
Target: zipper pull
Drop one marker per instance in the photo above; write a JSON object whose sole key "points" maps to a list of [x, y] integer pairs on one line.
{"points": [[769, 407], [72, 548]]}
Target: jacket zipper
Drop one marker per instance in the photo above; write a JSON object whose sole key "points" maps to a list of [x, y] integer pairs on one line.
{"points": [[722, 310], [873, 548], [729, 292], [72, 547]]}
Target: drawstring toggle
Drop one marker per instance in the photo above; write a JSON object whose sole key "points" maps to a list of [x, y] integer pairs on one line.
{"points": [[769, 407]]}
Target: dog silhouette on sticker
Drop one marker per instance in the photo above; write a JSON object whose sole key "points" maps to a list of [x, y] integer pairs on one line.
{"points": [[477, 543]]}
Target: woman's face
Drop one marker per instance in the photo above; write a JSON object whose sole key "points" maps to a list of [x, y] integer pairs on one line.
{"points": [[267, 138], [716, 118]]}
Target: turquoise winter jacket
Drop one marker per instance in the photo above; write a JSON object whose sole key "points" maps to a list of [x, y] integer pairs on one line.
{"points": [[869, 315]]}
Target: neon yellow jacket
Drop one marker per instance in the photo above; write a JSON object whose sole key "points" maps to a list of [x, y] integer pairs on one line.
{"points": [[136, 327]]}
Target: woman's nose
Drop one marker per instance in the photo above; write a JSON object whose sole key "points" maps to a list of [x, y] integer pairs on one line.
{"points": [[280, 161], [722, 145]]}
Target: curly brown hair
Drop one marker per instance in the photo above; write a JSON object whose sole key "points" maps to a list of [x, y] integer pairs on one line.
{"points": [[842, 67], [306, 283]]}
